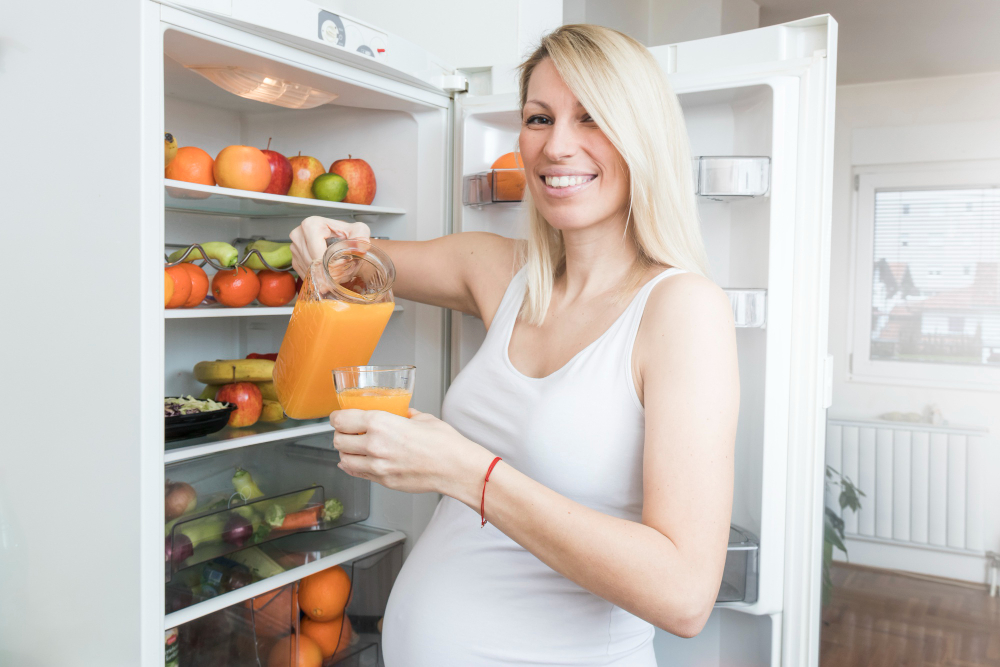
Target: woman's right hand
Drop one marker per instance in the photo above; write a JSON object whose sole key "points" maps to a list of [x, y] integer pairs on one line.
{"points": [[309, 239]]}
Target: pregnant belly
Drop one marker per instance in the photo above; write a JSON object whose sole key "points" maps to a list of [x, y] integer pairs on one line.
{"points": [[471, 596]]}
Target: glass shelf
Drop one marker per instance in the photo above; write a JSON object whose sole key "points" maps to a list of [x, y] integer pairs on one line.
{"points": [[214, 200], [222, 311], [739, 577], [233, 438]]}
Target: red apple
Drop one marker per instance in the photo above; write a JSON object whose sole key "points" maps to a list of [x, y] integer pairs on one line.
{"points": [[360, 180], [305, 169], [281, 173], [249, 403]]}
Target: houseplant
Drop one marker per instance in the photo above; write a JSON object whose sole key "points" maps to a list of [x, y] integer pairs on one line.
{"points": [[833, 525]]}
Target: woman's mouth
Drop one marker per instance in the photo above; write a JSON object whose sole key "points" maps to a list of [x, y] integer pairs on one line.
{"points": [[564, 186]]}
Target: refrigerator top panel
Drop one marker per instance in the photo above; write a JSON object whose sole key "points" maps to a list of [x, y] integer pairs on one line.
{"points": [[307, 26]]}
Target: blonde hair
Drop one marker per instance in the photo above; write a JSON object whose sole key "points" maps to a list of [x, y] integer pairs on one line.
{"points": [[623, 89]]}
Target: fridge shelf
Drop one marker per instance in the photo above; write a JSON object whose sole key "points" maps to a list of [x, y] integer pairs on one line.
{"points": [[729, 177], [749, 307], [215, 200], [223, 311], [300, 559], [495, 186], [739, 577], [236, 438]]}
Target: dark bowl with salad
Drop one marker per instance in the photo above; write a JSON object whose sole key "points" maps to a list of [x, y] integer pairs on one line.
{"points": [[188, 417]]}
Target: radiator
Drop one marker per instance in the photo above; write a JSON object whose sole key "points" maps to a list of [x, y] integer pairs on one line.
{"points": [[923, 484]]}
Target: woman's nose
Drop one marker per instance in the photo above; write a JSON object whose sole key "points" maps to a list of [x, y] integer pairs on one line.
{"points": [[561, 142]]}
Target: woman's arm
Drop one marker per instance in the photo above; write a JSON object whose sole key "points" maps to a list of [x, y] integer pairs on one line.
{"points": [[666, 569], [466, 272]]}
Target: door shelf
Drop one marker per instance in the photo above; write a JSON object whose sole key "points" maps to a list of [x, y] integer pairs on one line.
{"points": [[235, 438], [199, 312], [739, 577], [749, 307], [297, 556], [724, 178], [215, 200]]}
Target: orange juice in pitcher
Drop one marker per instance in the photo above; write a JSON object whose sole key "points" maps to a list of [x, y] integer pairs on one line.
{"points": [[344, 306]]}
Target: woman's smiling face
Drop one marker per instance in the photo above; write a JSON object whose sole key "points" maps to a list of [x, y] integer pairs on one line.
{"points": [[577, 177]]}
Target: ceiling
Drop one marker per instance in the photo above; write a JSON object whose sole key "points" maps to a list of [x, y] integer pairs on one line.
{"points": [[903, 39]]}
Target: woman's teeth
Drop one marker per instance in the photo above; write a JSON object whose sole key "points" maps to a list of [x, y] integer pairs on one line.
{"points": [[566, 181]]}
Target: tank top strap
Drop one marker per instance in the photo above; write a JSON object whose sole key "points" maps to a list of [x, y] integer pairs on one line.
{"points": [[630, 325]]}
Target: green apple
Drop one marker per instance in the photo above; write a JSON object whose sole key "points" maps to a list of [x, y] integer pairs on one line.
{"points": [[305, 169], [330, 187]]}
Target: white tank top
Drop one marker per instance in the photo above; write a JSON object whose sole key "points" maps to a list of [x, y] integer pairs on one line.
{"points": [[472, 596]]}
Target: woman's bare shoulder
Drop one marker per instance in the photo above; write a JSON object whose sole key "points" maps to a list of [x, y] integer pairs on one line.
{"points": [[686, 306]]}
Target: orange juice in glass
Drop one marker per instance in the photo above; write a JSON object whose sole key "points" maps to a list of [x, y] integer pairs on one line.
{"points": [[344, 306], [387, 388]]}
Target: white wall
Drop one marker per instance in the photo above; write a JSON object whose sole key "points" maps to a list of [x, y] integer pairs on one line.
{"points": [[901, 122]]}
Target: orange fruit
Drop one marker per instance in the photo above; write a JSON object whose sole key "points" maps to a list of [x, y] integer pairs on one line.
{"points": [[323, 596], [168, 288], [330, 636], [199, 284], [192, 165], [309, 654], [182, 286], [510, 184], [243, 168], [276, 287], [235, 287]]}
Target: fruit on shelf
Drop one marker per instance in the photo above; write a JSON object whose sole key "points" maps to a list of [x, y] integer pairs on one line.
{"points": [[209, 392], [267, 390], [510, 184], [278, 255], [331, 636], [168, 288], [360, 180], [199, 284], [246, 397], [281, 171], [191, 165], [308, 653], [227, 371], [235, 287], [220, 251], [277, 288], [323, 596], [169, 148], [242, 168], [182, 286], [330, 187], [272, 412], [305, 169]]}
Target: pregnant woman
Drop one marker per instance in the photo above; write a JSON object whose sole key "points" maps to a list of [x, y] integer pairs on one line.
{"points": [[607, 386]]}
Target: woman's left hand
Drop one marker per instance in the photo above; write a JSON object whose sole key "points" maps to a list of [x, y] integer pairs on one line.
{"points": [[417, 455]]}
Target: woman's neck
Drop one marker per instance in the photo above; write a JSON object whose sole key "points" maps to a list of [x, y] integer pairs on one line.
{"points": [[598, 259]]}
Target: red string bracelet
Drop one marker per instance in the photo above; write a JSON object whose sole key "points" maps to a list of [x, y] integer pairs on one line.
{"points": [[482, 505]]}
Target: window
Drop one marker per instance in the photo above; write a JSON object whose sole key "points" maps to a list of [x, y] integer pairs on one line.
{"points": [[927, 277]]}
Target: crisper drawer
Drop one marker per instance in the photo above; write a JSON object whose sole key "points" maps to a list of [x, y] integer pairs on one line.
{"points": [[266, 630], [250, 496], [739, 578]]}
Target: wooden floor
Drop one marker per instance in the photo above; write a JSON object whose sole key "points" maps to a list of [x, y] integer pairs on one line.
{"points": [[881, 619]]}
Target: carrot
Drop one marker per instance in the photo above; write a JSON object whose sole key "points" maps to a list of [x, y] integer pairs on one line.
{"points": [[302, 519]]}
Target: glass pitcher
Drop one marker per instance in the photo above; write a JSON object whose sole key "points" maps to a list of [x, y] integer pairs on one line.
{"points": [[343, 307]]}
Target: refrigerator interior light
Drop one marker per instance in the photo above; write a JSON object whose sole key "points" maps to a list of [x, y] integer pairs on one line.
{"points": [[263, 88]]}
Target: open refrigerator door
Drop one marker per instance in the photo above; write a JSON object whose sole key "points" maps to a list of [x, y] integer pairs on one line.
{"points": [[759, 111]]}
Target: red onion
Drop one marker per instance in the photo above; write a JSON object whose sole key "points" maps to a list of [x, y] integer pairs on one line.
{"points": [[237, 531]]}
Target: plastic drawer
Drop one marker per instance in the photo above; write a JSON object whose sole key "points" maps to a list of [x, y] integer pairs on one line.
{"points": [[296, 478], [749, 306], [739, 578], [725, 177], [495, 186]]}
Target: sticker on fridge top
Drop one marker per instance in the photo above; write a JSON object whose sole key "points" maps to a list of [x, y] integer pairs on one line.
{"points": [[351, 36]]}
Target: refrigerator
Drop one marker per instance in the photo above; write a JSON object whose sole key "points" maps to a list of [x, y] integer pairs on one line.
{"points": [[759, 109]]}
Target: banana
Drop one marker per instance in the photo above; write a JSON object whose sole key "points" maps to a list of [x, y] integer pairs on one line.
{"points": [[169, 148], [278, 255], [221, 252], [225, 371], [272, 412], [267, 391]]}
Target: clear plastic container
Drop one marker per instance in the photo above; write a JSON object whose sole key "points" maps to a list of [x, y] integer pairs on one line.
{"points": [[718, 177], [739, 577], [749, 306], [496, 186], [302, 490], [337, 321]]}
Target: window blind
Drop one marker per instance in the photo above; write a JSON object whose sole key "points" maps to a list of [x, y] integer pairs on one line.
{"points": [[936, 278]]}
